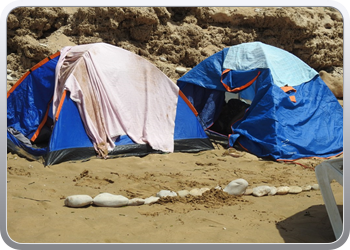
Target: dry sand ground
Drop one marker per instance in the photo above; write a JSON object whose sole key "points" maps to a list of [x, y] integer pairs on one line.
{"points": [[35, 194], [36, 211]]}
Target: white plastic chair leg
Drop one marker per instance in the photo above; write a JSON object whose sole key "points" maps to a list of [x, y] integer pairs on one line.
{"points": [[325, 173]]}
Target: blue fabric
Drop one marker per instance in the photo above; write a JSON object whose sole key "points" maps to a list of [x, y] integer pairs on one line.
{"points": [[273, 126], [27, 104], [30, 150], [207, 73], [287, 130], [187, 125], [69, 129], [66, 136], [207, 102], [285, 67], [238, 78]]}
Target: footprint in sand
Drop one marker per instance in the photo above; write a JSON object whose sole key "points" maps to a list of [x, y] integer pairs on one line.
{"points": [[87, 180]]}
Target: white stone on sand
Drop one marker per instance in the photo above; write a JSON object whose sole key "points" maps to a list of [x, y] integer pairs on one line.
{"points": [[282, 190], [151, 200], [295, 190], [180, 70], [196, 192], [110, 200], [236, 187], [306, 188], [165, 193], [273, 191], [79, 200], [261, 191], [204, 189], [136, 202], [183, 193]]}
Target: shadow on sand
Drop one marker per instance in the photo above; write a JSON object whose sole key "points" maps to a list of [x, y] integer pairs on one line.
{"points": [[311, 225]]}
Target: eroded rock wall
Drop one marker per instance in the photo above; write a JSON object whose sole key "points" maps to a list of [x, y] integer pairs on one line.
{"points": [[175, 36]]}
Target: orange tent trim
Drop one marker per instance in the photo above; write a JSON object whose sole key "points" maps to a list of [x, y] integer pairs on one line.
{"points": [[238, 88], [31, 70], [41, 125], [63, 97], [188, 103], [288, 88]]}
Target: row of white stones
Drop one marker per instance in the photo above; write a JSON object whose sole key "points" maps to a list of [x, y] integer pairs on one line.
{"points": [[271, 190], [235, 187]]}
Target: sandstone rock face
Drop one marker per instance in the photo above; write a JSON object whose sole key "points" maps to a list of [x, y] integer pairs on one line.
{"points": [[184, 36], [335, 84]]}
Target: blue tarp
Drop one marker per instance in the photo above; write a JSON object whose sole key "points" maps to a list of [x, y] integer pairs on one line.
{"points": [[27, 104], [274, 125]]}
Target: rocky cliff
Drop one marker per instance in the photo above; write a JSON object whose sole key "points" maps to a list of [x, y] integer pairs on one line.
{"points": [[172, 37]]}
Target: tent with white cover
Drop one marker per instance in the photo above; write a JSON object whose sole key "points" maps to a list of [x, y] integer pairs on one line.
{"points": [[99, 99]]}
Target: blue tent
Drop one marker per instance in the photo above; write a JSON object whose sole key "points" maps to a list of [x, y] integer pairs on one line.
{"points": [[288, 113], [32, 132]]}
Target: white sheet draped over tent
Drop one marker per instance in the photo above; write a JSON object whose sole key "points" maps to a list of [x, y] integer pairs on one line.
{"points": [[118, 93]]}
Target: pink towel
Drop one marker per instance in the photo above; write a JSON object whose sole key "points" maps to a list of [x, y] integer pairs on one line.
{"points": [[118, 93]]}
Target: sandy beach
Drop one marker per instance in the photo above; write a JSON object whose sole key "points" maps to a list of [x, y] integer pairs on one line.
{"points": [[36, 211]]}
